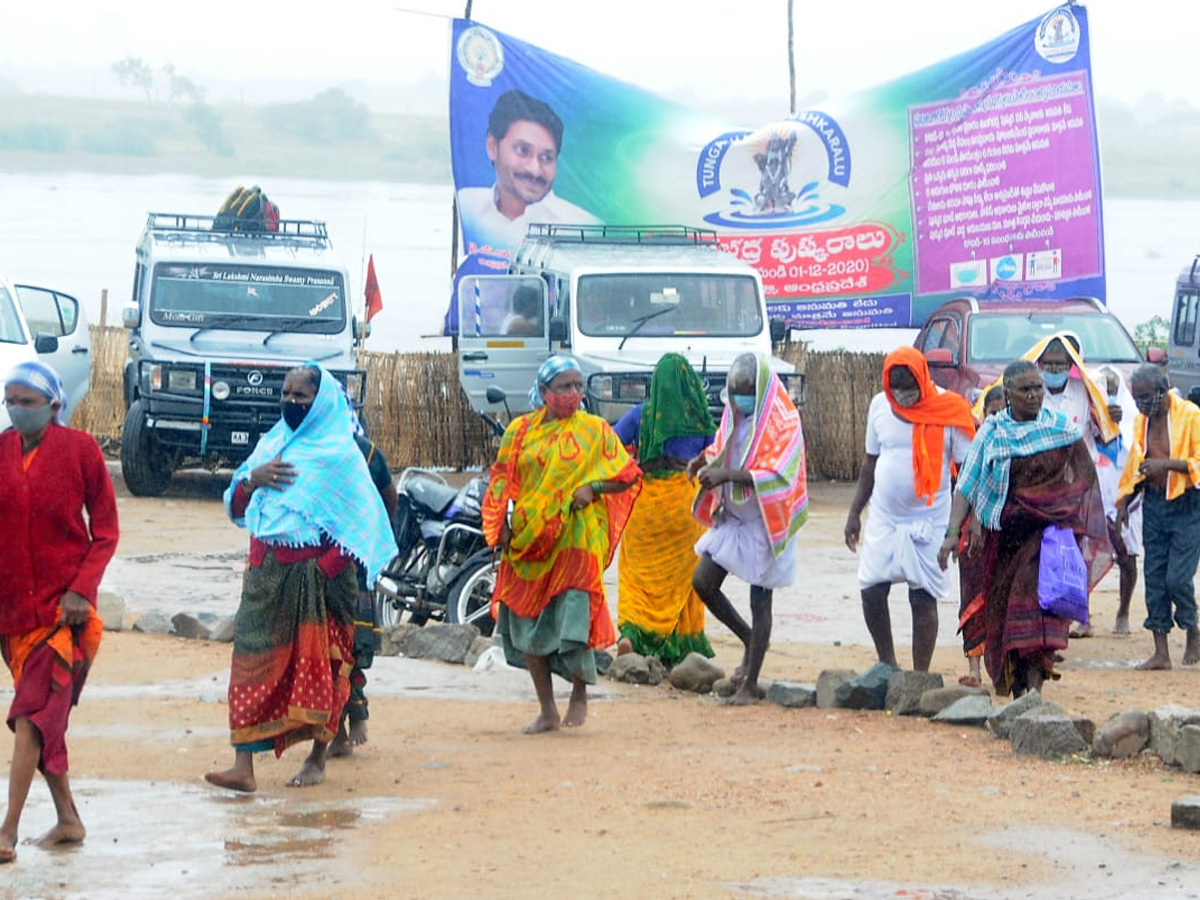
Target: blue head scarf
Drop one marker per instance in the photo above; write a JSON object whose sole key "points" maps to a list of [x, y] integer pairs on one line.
{"points": [[550, 369], [40, 377], [332, 496]]}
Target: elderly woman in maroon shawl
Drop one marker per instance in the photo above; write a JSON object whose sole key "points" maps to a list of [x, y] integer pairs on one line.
{"points": [[1027, 468]]}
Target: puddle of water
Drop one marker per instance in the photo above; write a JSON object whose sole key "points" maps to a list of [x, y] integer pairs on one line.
{"points": [[157, 839], [1092, 868]]}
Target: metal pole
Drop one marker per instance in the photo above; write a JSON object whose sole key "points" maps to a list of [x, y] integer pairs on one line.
{"points": [[791, 57]]}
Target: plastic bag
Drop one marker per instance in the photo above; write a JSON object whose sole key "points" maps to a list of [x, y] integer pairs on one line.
{"points": [[1062, 576]]}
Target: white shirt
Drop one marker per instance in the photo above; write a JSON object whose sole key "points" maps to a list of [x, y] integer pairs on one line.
{"points": [[1073, 403], [890, 438], [483, 223]]}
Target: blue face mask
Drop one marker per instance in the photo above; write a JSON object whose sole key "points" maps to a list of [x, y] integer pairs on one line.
{"points": [[743, 403], [1055, 381]]}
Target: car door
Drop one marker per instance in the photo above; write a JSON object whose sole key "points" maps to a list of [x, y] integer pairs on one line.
{"points": [[52, 312], [501, 342]]}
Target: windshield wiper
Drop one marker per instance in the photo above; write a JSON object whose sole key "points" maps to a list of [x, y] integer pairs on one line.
{"points": [[642, 320]]}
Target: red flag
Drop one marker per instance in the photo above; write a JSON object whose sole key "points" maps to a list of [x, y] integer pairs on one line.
{"points": [[374, 298]]}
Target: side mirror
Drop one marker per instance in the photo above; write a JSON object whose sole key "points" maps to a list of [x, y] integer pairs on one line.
{"points": [[940, 357], [131, 315], [360, 329], [558, 329], [1156, 355], [495, 395], [45, 343], [779, 331]]}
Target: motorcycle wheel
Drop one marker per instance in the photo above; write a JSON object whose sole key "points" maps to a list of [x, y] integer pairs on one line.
{"points": [[470, 600]]}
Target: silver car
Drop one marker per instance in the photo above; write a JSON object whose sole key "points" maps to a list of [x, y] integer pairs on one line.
{"points": [[48, 325]]}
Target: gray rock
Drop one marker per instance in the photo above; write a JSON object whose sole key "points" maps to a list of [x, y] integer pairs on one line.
{"points": [[696, 673], [1123, 735], [1165, 723], [970, 710], [632, 668], [828, 683], [1000, 722], [658, 672], [223, 630], [792, 695], [188, 626], [1187, 748], [868, 690], [1047, 736], [478, 647], [723, 687], [110, 606], [604, 660], [904, 690], [933, 702], [152, 622], [392, 638], [1185, 812], [1086, 728], [443, 641]]}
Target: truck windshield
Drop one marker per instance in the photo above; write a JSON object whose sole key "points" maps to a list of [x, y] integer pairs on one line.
{"points": [[1003, 338], [247, 298], [703, 304], [10, 326]]}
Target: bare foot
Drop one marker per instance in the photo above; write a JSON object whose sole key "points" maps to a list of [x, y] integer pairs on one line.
{"points": [[62, 833], [746, 696], [1191, 650], [358, 732], [341, 744], [624, 645], [543, 723], [234, 779], [311, 773], [1083, 631], [738, 678], [1122, 625], [576, 713], [8, 848], [1157, 661]]}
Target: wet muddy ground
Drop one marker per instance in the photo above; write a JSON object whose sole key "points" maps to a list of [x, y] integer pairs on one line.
{"points": [[660, 794]]}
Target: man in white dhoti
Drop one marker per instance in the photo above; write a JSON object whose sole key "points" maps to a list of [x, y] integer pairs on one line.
{"points": [[914, 431]]}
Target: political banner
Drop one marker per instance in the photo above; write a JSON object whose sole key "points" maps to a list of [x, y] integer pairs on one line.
{"points": [[977, 175]]}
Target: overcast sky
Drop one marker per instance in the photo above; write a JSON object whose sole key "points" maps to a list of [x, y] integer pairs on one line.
{"points": [[717, 48]]}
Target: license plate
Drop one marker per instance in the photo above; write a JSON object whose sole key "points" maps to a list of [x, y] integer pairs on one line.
{"points": [[239, 437]]}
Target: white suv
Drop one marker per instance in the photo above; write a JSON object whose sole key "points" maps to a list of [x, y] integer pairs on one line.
{"points": [[40, 323]]}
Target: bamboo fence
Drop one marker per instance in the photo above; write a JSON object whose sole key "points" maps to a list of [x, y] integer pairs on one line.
{"points": [[418, 415]]}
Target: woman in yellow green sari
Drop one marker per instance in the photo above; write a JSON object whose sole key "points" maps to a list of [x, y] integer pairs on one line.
{"points": [[658, 611], [569, 480]]}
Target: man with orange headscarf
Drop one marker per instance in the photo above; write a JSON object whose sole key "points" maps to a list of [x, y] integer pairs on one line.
{"points": [[915, 431]]}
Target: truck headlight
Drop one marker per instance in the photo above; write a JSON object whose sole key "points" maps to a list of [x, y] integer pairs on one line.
{"points": [[220, 390], [601, 387]]}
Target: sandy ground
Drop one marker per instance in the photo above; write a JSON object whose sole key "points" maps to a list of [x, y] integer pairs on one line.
{"points": [[661, 793]]}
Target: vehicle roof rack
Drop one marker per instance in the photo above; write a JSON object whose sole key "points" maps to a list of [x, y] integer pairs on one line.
{"points": [[675, 235], [185, 224]]}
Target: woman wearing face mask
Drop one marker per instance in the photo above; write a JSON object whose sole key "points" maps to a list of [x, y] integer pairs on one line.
{"points": [[571, 487], [754, 500], [51, 561], [915, 433], [307, 499], [1027, 468]]}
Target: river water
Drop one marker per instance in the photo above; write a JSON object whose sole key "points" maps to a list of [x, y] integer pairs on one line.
{"points": [[77, 232]]}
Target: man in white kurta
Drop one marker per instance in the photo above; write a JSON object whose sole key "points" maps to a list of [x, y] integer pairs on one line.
{"points": [[904, 530]]}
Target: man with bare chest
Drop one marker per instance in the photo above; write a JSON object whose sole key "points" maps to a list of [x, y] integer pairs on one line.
{"points": [[1164, 466]]}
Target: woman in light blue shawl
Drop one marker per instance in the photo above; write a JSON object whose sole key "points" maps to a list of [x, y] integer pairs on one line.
{"points": [[307, 498]]}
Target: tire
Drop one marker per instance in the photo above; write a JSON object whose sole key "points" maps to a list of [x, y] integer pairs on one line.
{"points": [[145, 468], [470, 600]]}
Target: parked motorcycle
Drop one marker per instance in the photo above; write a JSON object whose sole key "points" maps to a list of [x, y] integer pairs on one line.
{"points": [[444, 570]]}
